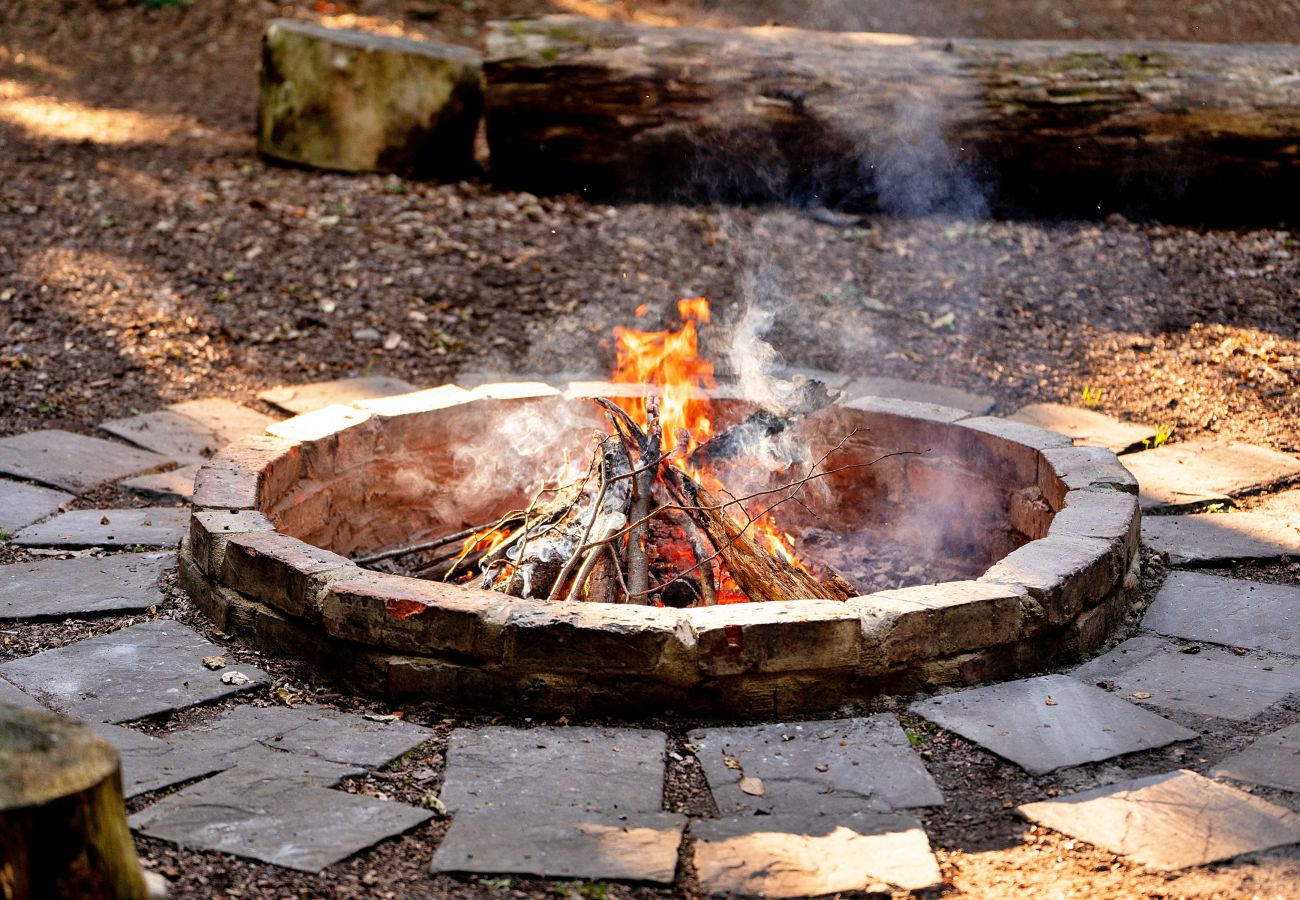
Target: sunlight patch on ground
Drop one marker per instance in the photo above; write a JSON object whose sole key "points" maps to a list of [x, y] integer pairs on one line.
{"points": [[594, 9], [61, 119]]}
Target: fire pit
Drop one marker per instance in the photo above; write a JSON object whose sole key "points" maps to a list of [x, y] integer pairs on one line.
{"points": [[1037, 541]]}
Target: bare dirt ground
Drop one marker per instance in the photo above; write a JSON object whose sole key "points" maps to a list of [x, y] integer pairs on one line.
{"points": [[147, 255]]}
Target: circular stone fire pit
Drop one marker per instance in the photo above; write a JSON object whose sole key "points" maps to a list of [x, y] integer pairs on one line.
{"points": [[1045, 533]]}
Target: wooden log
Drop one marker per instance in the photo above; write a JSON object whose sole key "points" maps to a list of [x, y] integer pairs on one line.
{"points": [[908, 123], [63, 831]]}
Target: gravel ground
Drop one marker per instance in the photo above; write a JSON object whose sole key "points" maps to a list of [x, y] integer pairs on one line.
{"points": [[148, 256]]}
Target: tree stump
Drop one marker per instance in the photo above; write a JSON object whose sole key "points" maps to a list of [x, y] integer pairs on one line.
{"points": [[910, 124], [63, 831]]}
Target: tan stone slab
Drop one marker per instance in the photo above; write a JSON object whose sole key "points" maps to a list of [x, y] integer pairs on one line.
{"points": [[1086, 426], [1220, 537], [1284, 505], [303, 398], [1170, 821], [802, 856], [72, 461], [1204, 470], [191, 431]]}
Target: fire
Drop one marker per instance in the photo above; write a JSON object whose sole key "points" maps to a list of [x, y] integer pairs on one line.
{"points": [[668, 364]]}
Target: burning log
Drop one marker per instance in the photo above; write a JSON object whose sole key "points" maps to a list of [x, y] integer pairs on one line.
{"points": [[763, 424], [778, 114]]}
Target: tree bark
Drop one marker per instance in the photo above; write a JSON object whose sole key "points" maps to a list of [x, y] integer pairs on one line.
{"points": [[63, 831], [911, 124]]}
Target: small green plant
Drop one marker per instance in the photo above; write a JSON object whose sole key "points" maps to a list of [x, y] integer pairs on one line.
{"points": [[1161, 437], [495, 884], [914, 737], [4, 535], [165, 4], [46, 406], [1091, 396]]}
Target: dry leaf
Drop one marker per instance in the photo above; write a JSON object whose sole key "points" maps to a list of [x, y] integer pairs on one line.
{"points": [[214, 662], [1140, 695], [104, 521], [821, 767], [752, 786], [1049, 701], [379, 717], [732, 763], [235, 678]]}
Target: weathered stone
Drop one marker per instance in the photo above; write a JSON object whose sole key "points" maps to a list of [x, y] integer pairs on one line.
{"points": [[563, 844], [72, 461], [276, 569], [150, 763], [1228, 611], [251, 469], [941, 619], [608, 771], [1198, 471], [1210, 682], [210, 529], [1080, 724], [270, 807], [1220, 537], [829, 768], [154, 526], [190, 431], [1080, 468], [1271, 761], [1285, 505], [12, 695], [802, 856], [22, 504], [1170, 821], [1104, 514], [319, 423], [1064, 573], [139, 671], [1007, 453], [173, 486], [355, 101], [776, 637], [1086, 426], [918, 392], [73, 587], [303, 398]]}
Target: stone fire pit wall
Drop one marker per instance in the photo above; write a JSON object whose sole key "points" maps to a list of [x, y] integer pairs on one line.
{"points": [[276, 516]]}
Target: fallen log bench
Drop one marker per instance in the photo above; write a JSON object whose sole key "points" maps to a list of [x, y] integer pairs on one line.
{"points": [[910, 124], [63, 830]]}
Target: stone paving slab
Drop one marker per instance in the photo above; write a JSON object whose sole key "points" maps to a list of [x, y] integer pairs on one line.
{"points": [[152, 526], [1228, 611], [802, 856], [1284, 504], [143, 670], [303, 398], [22, 504], [563, 844], [1170, 821], [1211, 538], [73, 462], [920, 392], [1209, 682], [190, 431], [87, 586], [150, 763], [272, 807], [1273, 760], [815, 768], [610, 771], [1206, 470], [176, 485], [1080, 724], [1086, 426], [11, 694]]}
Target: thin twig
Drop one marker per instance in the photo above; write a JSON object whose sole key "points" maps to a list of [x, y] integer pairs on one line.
{"points": [[426, 545]]}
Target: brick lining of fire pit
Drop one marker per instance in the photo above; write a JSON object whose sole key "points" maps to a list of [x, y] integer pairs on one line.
{"points": [[275, 516]]}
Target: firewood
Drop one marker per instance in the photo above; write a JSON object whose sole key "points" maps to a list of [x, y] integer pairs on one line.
{"points": [[807, 397]]}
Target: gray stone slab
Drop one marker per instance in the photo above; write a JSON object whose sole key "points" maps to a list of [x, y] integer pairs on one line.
{"points": [[150, 763], [1210, 682], [143, 670], [1228, 611], [804, 856], [920, 392], [10, 694], [1086, 426], [1081, 724], [22, 504], [1204, 470], [152, 526], [73, 462], [302, 398], [191, 431], [174, 486], [815, 768], [563, 844], [612, 771], [69, 587], [270, 807], [1212, 538], [1170, 821], [1273, 760]]}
